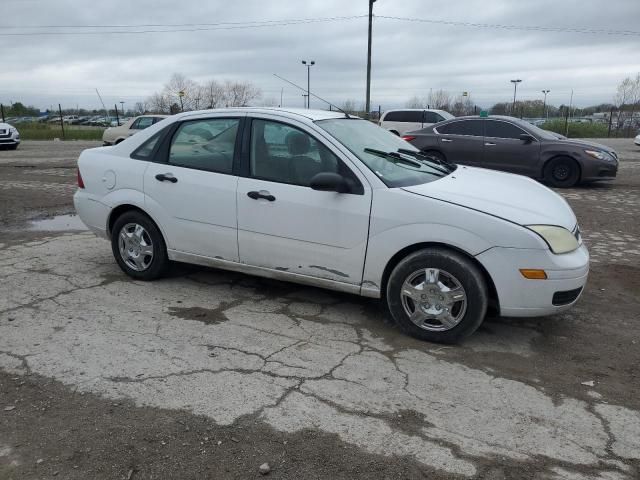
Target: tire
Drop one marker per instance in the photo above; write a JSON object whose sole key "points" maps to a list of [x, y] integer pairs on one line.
{"points": [[120, 140], [441, 316], [562, 172], [437, 155], [143, 253]]}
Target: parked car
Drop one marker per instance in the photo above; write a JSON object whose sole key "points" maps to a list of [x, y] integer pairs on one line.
{"points": [[325, 199], [637, 140], [115, 135], [516, 146], [9, 136], [408, 119]]}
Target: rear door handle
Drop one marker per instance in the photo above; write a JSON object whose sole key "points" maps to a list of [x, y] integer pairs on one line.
{"points": [[261, 194], [489, 144], [446, 140], [166, 177]]}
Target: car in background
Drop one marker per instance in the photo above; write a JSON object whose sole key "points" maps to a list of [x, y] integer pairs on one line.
{"points": [[513, 145], [115, 135], [330, 200], [637, 140], [9, 136], [405, 120]]}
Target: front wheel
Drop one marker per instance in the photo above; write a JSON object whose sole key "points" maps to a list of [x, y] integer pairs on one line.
{"points": [[138, 246], [437, 295], [562, 172]]}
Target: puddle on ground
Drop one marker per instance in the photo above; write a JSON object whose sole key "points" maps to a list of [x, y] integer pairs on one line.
{"points": [[60, 223]]}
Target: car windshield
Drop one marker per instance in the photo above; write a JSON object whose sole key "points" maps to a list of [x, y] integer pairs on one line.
{"points": [[372, 145]]}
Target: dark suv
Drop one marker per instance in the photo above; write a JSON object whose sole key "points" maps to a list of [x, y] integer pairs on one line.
{"points": [[516, 146]]}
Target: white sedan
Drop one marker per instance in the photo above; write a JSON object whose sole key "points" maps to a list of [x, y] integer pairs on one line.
{"points": [[9, 136], [326, 199], [637, 140]]}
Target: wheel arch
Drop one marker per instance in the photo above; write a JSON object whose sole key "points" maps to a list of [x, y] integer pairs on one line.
{"points": [[126, 207], [494, 303]]}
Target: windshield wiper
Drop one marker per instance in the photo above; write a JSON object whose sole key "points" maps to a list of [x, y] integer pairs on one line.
{"points": [[422, 156], [396, 157]]}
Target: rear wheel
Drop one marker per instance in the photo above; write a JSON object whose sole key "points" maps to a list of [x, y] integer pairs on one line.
{"points": [[437, 295], [138, 246], [562, 172]]}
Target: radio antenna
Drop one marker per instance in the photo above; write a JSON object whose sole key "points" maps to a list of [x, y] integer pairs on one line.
{"points": [[313, 95]]}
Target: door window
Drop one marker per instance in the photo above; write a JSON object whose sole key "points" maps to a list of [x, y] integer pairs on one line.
{"points": [[498, 129], [205, 144], [432, 117], [284, 154], [462, 127], [409, 116], [142, 123]]}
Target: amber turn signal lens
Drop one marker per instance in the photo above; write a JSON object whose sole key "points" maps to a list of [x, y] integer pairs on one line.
{"points": [[533, 274]]}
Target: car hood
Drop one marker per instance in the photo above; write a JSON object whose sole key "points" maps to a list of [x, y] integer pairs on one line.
{"points": [[586, 144], [5, 126], [514, 198]]}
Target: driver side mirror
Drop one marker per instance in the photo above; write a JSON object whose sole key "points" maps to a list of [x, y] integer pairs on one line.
{"points": [[329, 182], [526, 138]]}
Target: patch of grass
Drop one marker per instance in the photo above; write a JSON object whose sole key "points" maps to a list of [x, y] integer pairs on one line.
{"points": [[577, 130], [38, 131]]}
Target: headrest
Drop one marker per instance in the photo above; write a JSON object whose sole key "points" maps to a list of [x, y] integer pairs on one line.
{"points": [[298, 143]]}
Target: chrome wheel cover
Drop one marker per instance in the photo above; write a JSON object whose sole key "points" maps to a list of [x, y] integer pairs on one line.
{"points": [[136, 247], [434, 299]]}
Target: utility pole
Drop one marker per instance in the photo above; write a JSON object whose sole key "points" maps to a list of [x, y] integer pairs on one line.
{"points": [[515, 89], [2, 111], [61, 120], [117, 116], [308, 65], [367, 105], [122, 103], [544, 105]]}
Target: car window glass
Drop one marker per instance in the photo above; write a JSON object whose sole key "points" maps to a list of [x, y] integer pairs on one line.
{"points": [[143, 123], [432, 117], [144, 151], [502, 130], [282, 153], [462, 127], [205, 144], [413, 116], [134, 125]]}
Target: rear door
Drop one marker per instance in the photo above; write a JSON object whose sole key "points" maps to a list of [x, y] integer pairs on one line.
{"points": [[283, 224], [193, 187], [505, 150], [461, 141]]}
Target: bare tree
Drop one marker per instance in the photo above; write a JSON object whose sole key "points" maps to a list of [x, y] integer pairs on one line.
{"points": [[140, 107], [183, 91], [349, 106], [240, 94], [214, 94], [159, 103], [440, 99], [415, 102]]}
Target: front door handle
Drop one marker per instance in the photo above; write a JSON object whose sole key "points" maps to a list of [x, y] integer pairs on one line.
{"points": [[446, 140], [166, 177], [489, 144], [261, 194]]}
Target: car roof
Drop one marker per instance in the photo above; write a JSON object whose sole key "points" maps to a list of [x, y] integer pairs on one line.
{"points": [[294, 113], [415, 110], [490, 117]]}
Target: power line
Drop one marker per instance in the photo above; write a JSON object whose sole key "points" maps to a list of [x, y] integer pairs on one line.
{"points": [[537, 28], [206, 27]]}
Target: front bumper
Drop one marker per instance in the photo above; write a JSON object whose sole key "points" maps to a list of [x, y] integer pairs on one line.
{"points": [[598, 170], [519, 297]]}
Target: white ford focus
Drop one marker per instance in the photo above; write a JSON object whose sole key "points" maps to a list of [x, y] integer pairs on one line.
{"points": [[324, 199]]}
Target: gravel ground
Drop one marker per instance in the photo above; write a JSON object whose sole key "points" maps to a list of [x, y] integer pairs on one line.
{"points": [[209, 374]]}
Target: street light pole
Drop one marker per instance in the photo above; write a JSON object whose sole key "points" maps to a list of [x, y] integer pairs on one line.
{"points": [[122, 104], [515, 89], [308, 65], [367, 105], [544, 104]]}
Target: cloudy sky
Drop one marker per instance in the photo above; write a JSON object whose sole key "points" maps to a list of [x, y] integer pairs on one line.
{"points": [[210, 39]]}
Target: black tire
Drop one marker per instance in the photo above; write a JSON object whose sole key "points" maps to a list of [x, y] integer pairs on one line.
{"points": [[450, 264], [151, 266], [120, 140], [562, 172], [435, 154]]}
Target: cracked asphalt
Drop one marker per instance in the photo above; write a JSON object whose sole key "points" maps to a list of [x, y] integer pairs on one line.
{"points": [[209, 374]]}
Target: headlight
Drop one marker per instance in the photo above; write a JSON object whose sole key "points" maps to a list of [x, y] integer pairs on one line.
{"points": [[560, 240], [599, 155], [13, 130]]}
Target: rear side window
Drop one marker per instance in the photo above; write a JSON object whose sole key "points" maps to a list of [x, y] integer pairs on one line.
{"points": [[145, 151], [207, 144], [404, 116], [498, 129], [432, 117], [462, 127]]}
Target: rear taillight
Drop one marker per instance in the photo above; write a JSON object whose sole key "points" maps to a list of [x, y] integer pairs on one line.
{"points": [[408, 138], [80, 182]]}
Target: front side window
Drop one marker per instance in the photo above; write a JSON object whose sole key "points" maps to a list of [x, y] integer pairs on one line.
{"points": [[462, 127], [206, 144], [142, 123], [432, 117], [498, 129], [282, 153], [361, 135]]}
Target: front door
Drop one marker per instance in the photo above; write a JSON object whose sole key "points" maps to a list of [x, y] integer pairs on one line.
{"points": [[195, 189], [461, 141], [505, 150], [285, 225]]}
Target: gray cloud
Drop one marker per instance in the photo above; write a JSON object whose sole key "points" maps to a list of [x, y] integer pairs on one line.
{"points": [[409, 57]]}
